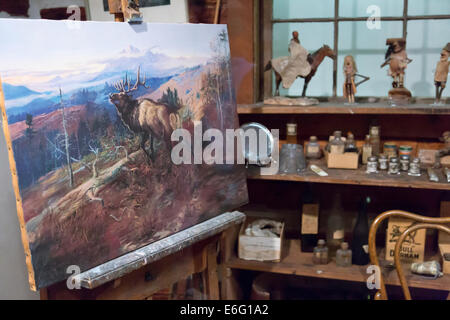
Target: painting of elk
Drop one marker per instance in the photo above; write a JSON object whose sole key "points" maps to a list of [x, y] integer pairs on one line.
{"points": [[314, 59], [144, 117]]}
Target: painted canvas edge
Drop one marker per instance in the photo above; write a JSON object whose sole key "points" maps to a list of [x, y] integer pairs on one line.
{"points": [[15, 182]]}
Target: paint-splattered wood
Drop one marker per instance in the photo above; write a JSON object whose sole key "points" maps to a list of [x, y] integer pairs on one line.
{"points": [[299, 263], [127, 263], [340, 108], [358, 177]]}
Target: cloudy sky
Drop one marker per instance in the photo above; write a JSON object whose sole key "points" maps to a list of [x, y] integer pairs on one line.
{"points": [[41, 53]]}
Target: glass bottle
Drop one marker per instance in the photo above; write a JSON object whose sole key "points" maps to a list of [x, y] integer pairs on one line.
{"points": [[344, 256], [337, 145], [313, 149], [320, 253], [350, 144], [375, 140], [335, 227], [291, 133], [310, 221], [367, 150], [360, 240]]}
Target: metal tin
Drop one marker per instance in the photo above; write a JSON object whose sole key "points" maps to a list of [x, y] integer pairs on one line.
{"points": [[390, 149], [383, 162], [394, 166], [414, 168], [404, 163], [405, 151], [372, 165]]}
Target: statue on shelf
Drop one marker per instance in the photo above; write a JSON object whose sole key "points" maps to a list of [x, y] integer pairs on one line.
{"points": [[300, 63], [350, 73], [398, 60], [441, 74]]}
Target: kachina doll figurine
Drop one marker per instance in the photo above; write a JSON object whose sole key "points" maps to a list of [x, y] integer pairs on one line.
{"points": [[398, 60], [441, 74], [350, 72]]}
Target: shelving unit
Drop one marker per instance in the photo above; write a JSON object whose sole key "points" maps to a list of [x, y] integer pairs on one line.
{"points": [[341, 108], [324, 118], [295, 262], [358, 177]]}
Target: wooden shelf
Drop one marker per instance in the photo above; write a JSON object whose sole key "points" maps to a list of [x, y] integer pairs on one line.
{"points": [[295, 262], [341, 108], [357, 177]]}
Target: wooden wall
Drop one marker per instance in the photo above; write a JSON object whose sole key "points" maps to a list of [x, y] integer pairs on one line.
{"points": [[240, 16]]}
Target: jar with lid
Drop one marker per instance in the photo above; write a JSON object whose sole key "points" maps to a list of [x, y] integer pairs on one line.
{"points": [[313, 149], [404, 163], [337, 144], [320, 253], [344, 256], [394, 166], [372, 165], [383, 162], [414, 168]]}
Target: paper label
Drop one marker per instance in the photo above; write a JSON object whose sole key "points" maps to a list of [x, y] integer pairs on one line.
{"points": [[313, 149], [337, 149], [338, 234], [310, 219]]}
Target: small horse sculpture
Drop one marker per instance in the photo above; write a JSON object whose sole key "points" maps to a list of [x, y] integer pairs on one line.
{"points": [[314, 59]]}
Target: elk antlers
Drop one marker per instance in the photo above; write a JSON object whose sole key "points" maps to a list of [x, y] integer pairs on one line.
{"points": [[124, 84]]}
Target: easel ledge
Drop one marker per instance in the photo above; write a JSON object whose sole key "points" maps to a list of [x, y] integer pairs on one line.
{"points": [[132, 261]]}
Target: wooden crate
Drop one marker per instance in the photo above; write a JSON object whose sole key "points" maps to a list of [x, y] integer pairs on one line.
{"points": [[259, 248], [348, 160]]}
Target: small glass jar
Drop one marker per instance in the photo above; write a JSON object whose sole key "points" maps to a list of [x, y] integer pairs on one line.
{"points": [[337, 144], [394, 166], [344, 256], [366, 150], [350, 144], [313, 149], [320, 253], [291, 133], [404, 163], [372, 165], [375, 140], [383, 162], [414, 168]]}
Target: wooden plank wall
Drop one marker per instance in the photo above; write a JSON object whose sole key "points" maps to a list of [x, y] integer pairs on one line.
{"points": [[240, 17]]}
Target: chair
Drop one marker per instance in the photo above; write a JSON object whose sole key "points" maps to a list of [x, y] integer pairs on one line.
{"points": [[423, 223]]}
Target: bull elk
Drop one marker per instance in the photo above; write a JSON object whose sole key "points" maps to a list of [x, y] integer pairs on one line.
{"points": [[143, 117]]}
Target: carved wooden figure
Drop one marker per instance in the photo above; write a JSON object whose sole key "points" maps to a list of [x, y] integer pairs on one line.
{"points": [[350, 73], [299, 64], [441, 74], [398, 60]]}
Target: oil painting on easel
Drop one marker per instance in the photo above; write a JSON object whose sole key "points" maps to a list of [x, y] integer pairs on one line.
{"points": [[90, 111]]}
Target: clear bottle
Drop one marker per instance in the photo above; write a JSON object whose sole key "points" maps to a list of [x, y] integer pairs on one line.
{"points": [[337, 144], [344, 256], [366, 150], [313, 149], [320, 253], [335, 227], [375, 140]]}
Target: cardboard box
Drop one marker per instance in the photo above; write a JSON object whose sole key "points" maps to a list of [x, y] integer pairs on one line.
{"points": [[348, 160], [259, 248], [445, 249], [413, 248]]}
